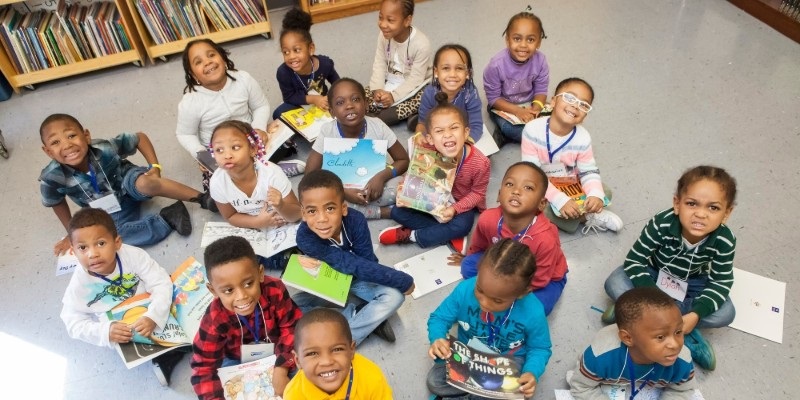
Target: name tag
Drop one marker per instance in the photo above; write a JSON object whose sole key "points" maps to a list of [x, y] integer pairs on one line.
{"points": [[107, 203], [555, 169], [257, 351], [674, 287]]}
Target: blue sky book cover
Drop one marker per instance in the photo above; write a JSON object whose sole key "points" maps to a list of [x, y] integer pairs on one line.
{"points": [[355, 161]]}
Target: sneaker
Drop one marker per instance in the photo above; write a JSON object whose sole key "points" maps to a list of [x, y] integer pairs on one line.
{"points": [[603, 221], [395, 235], [459, 245], [177, 217], [292, 167], [498, 138], [609, 316], [412, 122], [164, 364], [206, 202], [702, 352], [385, 331]]}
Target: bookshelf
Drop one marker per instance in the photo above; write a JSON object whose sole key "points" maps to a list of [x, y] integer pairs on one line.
{"points": [[781, 15], [155, 50], [326, 10], [19, 79]]}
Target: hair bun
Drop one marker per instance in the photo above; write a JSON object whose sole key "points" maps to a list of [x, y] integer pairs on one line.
{"points": [[297, 19], [441, 98]]}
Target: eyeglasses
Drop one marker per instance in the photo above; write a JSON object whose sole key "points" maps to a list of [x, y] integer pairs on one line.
{"points": [[571, 99]]}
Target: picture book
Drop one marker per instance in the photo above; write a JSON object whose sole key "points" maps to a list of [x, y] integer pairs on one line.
{"points": [[484, 374], [547, 110], [428, 182], [206, 160], [760, 305], [430, 271], [307, 120], [265, 242], [250, 381], [66, 263], [571, 186], [355, 161], [190, 299], [318, 278]]}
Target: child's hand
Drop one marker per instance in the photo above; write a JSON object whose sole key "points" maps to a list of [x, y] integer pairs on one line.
{"points": [[525, 114], [374, 188], [280, 378], [420, 140], [270, 217], [62, 246], [440, 349], [320, 101], [274, 198], [203, 169], [383, 98], [263, 135], [690, 321], [153, 171], [144, 326], [273, 127], [120, 333], [571, 210], [355, 196], [447, 214], [528, 384], [455, 259], [593, 204], [411, 289]]}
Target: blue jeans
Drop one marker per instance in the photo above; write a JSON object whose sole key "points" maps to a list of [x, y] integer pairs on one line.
{"points": [[428, 231], [133, 229], [547, 295], [618, 283], [282, 109], [379, 303], [512, 132]]}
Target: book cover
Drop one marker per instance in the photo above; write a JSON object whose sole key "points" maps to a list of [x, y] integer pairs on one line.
{"points": [[266, 242], [571, 186], [428, 183], [318, 278], [355, 161], [250, 381], [307, 120], [484, 374], [430, 271], [206, 159]]}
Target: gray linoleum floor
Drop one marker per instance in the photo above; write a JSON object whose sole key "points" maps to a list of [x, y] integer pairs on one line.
{"points": [[678, 83]]}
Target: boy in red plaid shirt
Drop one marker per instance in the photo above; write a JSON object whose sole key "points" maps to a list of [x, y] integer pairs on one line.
{"points": [[249, 309]]}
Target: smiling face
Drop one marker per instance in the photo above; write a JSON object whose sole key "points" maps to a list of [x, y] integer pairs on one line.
{"points": [[568, 114], [232, 150], [348, 106], [447, 132], [237, 284], [323, 210], [325, 355], [657, 337], [522, 192], [392, 23], [208, 66], [66, 143], [523, 38], [297, 53], [96, 248], [451, 71], [702, 208]]}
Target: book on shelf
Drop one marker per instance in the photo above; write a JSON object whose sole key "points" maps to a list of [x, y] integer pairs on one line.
{"points": [[355, 161], [9, 19], [266, 242], [430, 271], [306, 120], [250, 380], [428, 182], [190, 299], [485, 374], [317, 278], [571, 186]]}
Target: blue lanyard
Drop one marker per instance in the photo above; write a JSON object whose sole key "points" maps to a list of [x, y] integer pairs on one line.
{"points": [[93, 178], [632, 377], [360, 135], [550, 154], [463, 157], [517, 236], [254, 330], [114, 282], [494, 330], [310, 80], [349, 385]]}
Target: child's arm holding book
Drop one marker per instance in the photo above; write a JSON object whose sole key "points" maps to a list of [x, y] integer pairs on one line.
{"points": [[442, 319], [374, 187], [157, 282], [537, 354], [478, 171], [90, 329]]}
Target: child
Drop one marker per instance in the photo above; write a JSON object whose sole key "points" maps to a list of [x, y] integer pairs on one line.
{"points": [[302, 75], [690, 248], [448, 133], [110, 273], [216, 92], [245, 301], [325, 352], [452, 75], [339, 236], [645, 347], [562, 147], [516, 79], [349, 108], [96, 173], [250, 192], [401, 66], [500, 293], [520, 218]]}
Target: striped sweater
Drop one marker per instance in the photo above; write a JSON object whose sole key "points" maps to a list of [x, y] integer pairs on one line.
{"points": [[660, 246], [472, 181]]}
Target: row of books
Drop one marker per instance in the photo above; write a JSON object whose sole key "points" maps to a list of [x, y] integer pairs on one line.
{"points": [[44, 39], [171, 20]]}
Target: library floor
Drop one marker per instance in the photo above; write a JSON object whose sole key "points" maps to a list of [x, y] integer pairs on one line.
{"points": [[678, 83]]}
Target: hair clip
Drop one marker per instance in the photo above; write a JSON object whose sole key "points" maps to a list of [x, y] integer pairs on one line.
{"points": [[529, 8]]}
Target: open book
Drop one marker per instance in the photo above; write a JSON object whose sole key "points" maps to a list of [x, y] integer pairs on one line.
{"points": [[547, 110], [251, 380], [430, 271], [355, 161], [190, 299], [266, 242], [428, 182], [571, 186], [306, 120], [484, 374], [318, 278]]}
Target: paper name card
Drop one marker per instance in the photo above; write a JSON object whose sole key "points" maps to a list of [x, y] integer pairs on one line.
{"points": [[66, 263], [430, 271]]}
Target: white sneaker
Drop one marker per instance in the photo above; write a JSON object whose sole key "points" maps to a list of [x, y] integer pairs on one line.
{"points": [[603, 221], [292, 167]]}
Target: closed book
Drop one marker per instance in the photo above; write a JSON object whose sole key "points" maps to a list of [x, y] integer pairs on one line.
{"points": [[428, 183], [306, 120], [354, 161], [317, 278]]}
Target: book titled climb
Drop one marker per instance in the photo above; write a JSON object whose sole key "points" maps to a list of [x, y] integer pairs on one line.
{"points": [[484, 374]]}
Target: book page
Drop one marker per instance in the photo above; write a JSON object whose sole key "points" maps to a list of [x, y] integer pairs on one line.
{"points": [[430, 271]]}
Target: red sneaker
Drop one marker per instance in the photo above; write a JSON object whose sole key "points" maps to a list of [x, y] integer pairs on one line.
{"points": [[459, 245], [394, 235]]}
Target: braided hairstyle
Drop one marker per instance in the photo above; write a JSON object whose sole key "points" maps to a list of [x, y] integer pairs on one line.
{"points": [[508, 257], [252, 137], [406, 5]]}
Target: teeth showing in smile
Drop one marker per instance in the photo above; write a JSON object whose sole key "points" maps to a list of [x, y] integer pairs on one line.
{"points": [[243, 307], [514, 202], [329, 374], [210, 70]]}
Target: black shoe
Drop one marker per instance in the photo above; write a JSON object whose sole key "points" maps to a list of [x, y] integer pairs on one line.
{"points": [[498, 138], [206, 202], [412, 122], [385, 332], [164, 364], [177, 216]]}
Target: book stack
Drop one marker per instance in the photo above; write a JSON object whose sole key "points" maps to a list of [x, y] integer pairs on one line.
{"points": [[171, 20], [44, 39]]}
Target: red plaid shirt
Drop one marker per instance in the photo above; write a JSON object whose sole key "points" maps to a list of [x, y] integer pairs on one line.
{"points": [[220, 336]]}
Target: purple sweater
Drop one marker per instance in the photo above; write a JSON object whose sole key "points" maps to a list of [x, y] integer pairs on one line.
{"points": [[514, 82]]}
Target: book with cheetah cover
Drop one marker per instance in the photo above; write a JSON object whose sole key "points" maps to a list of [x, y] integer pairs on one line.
{"points": [[428, 183], [489, 375]]}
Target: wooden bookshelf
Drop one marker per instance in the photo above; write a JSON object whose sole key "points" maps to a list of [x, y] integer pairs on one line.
{"points": [[155, 50], [335, 9], [18, 80], [769, 12]]}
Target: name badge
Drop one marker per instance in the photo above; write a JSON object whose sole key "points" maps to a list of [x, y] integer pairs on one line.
{"points": [[674, 287], [107, 203], [393, 82], [257, 351], [555, 169]]}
